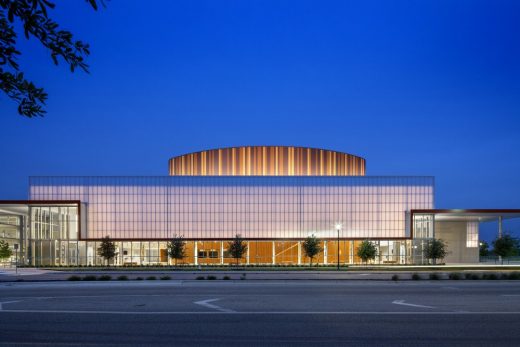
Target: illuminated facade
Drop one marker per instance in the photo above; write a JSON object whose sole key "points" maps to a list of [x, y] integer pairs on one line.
{"points": [[274, 197], [267, 161]]}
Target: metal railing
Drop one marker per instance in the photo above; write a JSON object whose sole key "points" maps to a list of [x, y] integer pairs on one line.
{"points": [[494, 259]]}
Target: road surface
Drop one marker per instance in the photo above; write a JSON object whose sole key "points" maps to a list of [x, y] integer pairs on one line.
{"points": [[270, 313]]}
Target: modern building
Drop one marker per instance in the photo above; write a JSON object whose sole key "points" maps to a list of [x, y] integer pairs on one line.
{"points": [[273, 196]]}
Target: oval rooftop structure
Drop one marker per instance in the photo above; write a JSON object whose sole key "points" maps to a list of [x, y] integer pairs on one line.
{"points": [[267, 161]]}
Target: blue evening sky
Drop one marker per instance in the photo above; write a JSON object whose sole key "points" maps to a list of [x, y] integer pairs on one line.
{"points": [[415, 87]]}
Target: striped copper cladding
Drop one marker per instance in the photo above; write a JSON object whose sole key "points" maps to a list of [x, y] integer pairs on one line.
{"points": [[267, 161]]}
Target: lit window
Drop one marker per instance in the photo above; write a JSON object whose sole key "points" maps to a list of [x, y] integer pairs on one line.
{"points": [[472, 234]]}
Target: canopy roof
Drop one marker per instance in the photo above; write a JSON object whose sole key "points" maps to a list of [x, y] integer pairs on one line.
{"points": [[473, 215]]}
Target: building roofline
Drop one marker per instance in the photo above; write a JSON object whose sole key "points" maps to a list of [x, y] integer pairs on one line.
{"points": [[282, 146]]}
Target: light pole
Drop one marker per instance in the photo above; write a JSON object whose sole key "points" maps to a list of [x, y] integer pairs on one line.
{"points": [[16, 261], [338, 228]]}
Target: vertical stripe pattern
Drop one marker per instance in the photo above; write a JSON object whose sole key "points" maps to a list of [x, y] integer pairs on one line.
{"points": [[267, 161]]}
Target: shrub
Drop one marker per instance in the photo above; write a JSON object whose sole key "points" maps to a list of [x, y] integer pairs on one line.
{"points": [[226, 278], [474, 277], [122, 278], [454, 276], [74, 278], [514, 276], [416, 277], [490, 276], [395, 277], [211, 277], [199, 278], [467, 275], [165, 278], [504, 276], [151, 278], [434, 276], [138, 278], [105, 278], [89, 278]]}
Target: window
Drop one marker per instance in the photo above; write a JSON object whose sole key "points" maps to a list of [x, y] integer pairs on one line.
{"points": [[472, 234]]}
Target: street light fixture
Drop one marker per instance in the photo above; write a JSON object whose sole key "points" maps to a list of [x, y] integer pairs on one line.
{"points": [[338, 229], [16, 264]]}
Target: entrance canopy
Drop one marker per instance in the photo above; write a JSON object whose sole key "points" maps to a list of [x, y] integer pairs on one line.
{"points": [[474, 215]]}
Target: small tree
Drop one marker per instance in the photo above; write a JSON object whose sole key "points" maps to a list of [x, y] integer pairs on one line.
{"points": [[237, 247], [483, 249], [5, 250], [177, 248], [505, 246], [367, 251], [311, 247], [107, 249], [436, 249]]}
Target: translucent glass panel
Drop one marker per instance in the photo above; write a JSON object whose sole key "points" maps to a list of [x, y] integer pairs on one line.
{"points": [[472, 234], [423, 226], [255, 207]]}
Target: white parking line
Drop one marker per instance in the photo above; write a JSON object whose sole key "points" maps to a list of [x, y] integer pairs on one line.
{"points": [[7, 302], [401, 302], [206, 303]]}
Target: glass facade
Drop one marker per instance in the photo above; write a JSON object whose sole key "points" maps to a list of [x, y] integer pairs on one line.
{"points": [[423, 230], [135, 253], [273, 214], [52, 235], [258, 208], [10, 232]]}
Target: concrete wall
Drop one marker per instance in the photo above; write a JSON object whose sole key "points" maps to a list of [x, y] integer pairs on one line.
{"points": [[454, 233]]}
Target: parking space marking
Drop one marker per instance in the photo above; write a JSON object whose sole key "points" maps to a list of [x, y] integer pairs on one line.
{"points": [[206, 303], [7, 302], [401, 302]]}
